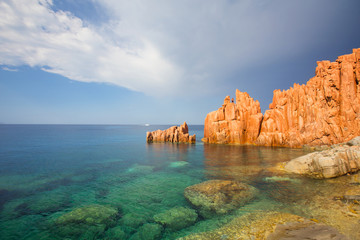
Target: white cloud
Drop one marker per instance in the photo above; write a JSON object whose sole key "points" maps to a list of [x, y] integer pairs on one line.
{"points": [[160, 47], [32, 34], [9, 69]]}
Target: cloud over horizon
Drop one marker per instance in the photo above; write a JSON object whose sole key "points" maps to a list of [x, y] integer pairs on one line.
{"points": [[161, 47], [58, 42]]}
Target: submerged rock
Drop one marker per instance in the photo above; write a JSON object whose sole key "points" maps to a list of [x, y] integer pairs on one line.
{"points": [[174, 134], [91, 215], [149, 231], [116, 233], [352, 195], [150, 194], [40, 203], [305, 230], [86, 222], [281, 179], [334, 162], [133, 220], [219, 196], [178, 164], [140, 169], [177, 218], [268, 226]]}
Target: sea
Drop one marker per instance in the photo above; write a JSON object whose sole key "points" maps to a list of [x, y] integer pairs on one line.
{"points": [[107, 182]]}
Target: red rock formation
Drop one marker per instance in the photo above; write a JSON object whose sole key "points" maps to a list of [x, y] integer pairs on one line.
{"points": [[324, 111], [173, 134], [234, 123]]}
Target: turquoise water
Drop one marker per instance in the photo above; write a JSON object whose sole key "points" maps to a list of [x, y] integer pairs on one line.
{"points": [[106, 182]]}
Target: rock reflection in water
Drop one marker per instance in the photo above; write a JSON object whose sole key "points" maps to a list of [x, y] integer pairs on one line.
{"points": [[243, 163], [162, 153]]}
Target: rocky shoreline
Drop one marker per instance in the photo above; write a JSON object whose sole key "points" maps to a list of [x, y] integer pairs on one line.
{"points": [[337, 160], [329, 213]]}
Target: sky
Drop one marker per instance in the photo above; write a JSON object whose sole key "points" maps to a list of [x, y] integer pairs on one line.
{"points": [[159, 61]]}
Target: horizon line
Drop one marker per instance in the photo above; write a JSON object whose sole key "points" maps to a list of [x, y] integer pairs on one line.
{"points": [[113, 124]]}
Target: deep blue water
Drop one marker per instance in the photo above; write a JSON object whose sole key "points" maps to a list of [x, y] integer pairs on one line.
{"points": [[48, 171]]}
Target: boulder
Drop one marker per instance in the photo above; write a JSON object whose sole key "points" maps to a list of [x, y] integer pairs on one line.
{"points": [[219, 196], [173, 134], [177, 218], [334, 162]]}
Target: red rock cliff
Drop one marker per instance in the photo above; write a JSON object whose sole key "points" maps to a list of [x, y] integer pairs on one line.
{"points": [[234, 123], [173, 134], [324, 111]]}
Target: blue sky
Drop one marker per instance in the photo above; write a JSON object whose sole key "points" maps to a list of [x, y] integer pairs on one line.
{"points": [[159, 62]]}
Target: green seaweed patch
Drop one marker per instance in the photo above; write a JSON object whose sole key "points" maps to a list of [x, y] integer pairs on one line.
{"points": [[150, 194], [133, 220], [19, 228], [83, 196], [91, 215], [48, 202], [115, 233], [149, 231], [177, 218], [41, 203], [86, 222]]}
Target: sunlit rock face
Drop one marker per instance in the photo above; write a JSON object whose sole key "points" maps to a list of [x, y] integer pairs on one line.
{"points": [[173, 134], [324, 111], [234, 122]]}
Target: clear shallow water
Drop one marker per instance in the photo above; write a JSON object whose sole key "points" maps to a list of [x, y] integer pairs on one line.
{"points": [[47, 171]]}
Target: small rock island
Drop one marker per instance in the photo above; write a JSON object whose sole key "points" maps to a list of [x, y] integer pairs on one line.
{"points": [[174, 134]]}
